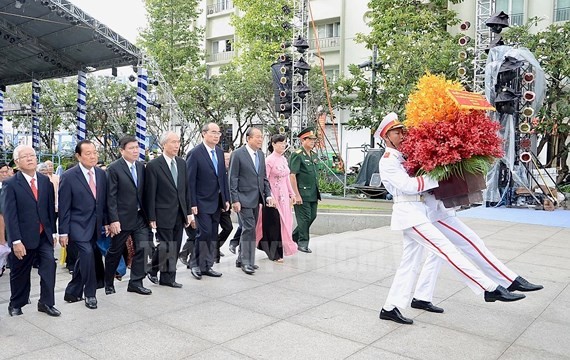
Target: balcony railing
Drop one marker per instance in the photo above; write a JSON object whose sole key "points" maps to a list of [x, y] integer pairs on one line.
{"points": [[562, 14], [516, 19], [325, 43], [222, 56], [219, 6]]}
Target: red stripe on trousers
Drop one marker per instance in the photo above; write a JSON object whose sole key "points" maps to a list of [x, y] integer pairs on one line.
{"points": [[447, 257], [476, 248]]}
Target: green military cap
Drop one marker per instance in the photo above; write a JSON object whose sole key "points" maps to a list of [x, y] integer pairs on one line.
{"points": [[308, 132]]}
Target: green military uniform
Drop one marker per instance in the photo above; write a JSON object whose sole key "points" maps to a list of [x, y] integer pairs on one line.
{"points": [[305, 168]]}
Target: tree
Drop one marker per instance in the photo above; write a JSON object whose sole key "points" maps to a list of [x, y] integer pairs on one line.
{"points": [[551, 48], [412, 39]]}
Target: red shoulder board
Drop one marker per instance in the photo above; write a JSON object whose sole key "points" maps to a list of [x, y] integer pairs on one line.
{"points": [[386, 154]]}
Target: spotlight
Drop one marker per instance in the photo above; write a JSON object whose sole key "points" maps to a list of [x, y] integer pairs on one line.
{"points": [[462, 71], [301, 44], [46, 58], [465, 25], [12, 40], [524, 128], [529, 96], [52, 7], [285, 58], [60, 12], [464, 40], [525, 143], [18, 4], [153, 82], [528, 77], [283, 80], [285, 107], [109, 45], [301, 66], [53, 62], [463, 55], [132, 78], [286, 26], [498, 22], [527, 111], [285, 45], [525, 157], [44, 2], [286, 10], [302, 89]]}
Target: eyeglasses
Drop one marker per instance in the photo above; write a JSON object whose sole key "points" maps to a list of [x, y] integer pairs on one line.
{"points": [[21, 157], [215, 132]]}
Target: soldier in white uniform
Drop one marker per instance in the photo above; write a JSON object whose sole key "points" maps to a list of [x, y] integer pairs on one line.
{"points": [[472, 246], [410, 214]]}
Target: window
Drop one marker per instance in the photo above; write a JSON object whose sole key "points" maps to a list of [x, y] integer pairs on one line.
{"points": [[329, 30], [514, 8], [562, 10], [219, 46], [332, 74]]}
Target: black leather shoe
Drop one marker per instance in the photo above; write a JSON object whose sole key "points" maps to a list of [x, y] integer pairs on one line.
{"points": [[109, 290], [70, 298], [232, 249], [139, 289], [521, 284], [196, 273], [238, 265], [211, 272], [502, 294], [248, 269], [50, 310], [183, 259], [426, 305], [173, 284], [304, 249], [91, 302], [14, 311], [152, 278], [396, 316], [222, 254]]}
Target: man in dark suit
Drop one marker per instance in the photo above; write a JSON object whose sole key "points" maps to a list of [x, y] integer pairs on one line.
{"points": [[82, 215], [29, 213], [167, 204], [249, 188], [125, 187], [209, 192]]}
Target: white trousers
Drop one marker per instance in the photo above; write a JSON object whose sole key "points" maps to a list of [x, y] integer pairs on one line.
{"points": [[427, 236], [473, 248]]}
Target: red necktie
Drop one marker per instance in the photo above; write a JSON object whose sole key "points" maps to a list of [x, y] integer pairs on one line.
{"points": [[92, 183], [35, 192]]}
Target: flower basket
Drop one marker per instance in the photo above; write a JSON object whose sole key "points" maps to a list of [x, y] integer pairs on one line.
{"points": [[457, 191]]}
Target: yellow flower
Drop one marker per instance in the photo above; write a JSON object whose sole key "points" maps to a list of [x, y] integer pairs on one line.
{"points": [[430, 102]]}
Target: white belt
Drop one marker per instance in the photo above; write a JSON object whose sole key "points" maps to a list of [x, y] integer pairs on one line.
{"points": [[408, 198]]}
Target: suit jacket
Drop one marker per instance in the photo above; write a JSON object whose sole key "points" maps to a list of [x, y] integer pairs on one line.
{"points": [[247, 186], [163, 200], [80, 214], [23, 214], [205, 186], [124, 197]]}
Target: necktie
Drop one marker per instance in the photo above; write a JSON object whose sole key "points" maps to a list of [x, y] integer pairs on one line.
{"points": [[92, 183], [256, 162], [215, 160], [134, 174], [174, 172], [35, 192]]}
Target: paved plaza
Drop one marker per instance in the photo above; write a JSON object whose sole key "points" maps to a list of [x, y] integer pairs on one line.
{"points": [[323, 305]]}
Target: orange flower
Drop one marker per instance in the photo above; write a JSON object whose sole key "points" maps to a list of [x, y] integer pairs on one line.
{"points": [[431, 102]]}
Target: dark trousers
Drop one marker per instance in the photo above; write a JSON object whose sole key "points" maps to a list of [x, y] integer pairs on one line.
{"points": [[20, 271], [189, 244], [165, 255], [227, 227], [89, 272], [305, 214], [206, 240], [248, 218], [71, 255], [143, 249], [235, 240]]}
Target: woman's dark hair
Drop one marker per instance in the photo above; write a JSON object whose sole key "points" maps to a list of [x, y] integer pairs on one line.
{"points": [[275, 139]]}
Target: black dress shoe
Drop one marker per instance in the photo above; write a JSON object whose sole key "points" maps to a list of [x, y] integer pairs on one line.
{"points": [[196, 273], [222, 254], [304, 249], [50, 310], [238, 265], [109, 290], [14, 311], [152, 278], [211, 272], [70, 298], [396, 316], [502, 294], [139, 289], [91, 302], [248, 269], [183, 259], [232, 248], [426, 305], [173, 284], [521, 284]]}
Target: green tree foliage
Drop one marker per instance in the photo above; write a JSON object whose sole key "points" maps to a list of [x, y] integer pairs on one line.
{"points": [[412, 39], [551, 47]]}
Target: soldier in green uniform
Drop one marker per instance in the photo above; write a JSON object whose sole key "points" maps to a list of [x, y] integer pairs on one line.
{"points": [[303, 164]]}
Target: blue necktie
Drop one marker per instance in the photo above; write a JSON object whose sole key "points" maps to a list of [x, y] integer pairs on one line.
{"points": [[256, 162], [134, 174], [215, 160]]}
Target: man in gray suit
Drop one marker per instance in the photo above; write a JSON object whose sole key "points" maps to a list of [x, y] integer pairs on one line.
{"points": [[249, 188]]}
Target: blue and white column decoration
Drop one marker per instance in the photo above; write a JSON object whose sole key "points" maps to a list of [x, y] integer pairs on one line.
{"points": [[81, 105], [35, 114], [142, 105], [1, 118]]}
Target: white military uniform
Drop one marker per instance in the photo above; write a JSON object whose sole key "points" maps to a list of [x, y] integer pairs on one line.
{"points": [[411, 215], [464, 239]]}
